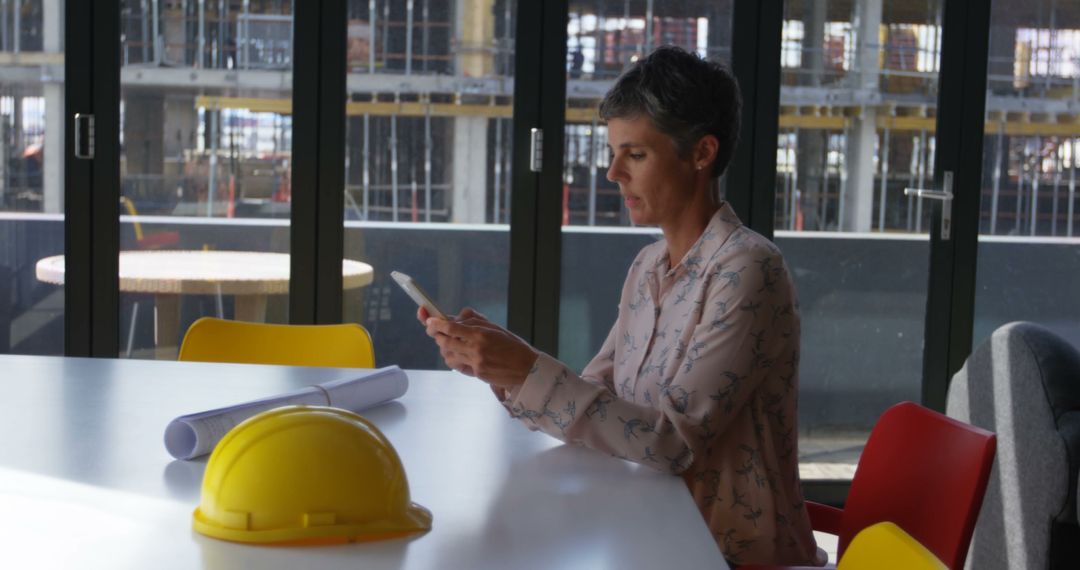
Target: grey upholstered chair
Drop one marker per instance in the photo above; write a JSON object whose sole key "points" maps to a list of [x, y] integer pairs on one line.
{"points": [[1024, 384]]}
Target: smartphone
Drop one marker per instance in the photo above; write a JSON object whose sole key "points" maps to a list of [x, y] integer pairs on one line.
{"points": [[417, 294]]}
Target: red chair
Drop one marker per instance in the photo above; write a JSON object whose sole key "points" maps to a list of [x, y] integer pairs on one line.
{"points": [[143, 241], [921, 470], [155, 240]]}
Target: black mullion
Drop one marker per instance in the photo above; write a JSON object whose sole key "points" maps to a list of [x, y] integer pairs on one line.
{"points": [[960, 124], [91, 186], [751, 180], [966, 207], [766, 116], [105, 185], [744, 30], [329, 214], [78, 229], [549, 195], [942, 253], [305, 155], [961, 107], [755, 53], [525, 183]]}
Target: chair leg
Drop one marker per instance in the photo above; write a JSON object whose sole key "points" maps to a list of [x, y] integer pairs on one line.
{"points": [[131, 328]]}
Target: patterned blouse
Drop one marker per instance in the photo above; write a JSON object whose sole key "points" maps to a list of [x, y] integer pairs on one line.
{"points": [[698, 377]]}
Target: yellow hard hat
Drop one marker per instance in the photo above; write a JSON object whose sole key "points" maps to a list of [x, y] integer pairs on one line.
{"points": [[306, 474], [885, 546]]}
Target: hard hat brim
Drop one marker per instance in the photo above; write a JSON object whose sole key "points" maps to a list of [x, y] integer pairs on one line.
{"points": [[417, 519]]}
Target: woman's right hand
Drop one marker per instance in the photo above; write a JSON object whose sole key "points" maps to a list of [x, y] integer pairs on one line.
{"points": [[423, 315], [475, 346]]}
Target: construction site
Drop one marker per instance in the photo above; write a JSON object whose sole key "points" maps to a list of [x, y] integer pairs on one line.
{"points": [[206, 108], [206, 163]]}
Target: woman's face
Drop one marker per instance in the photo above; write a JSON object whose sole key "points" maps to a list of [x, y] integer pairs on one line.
{"points": [[656, 185]]}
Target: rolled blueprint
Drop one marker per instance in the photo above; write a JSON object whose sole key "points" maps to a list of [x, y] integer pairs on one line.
{"points": [[190, 436]]}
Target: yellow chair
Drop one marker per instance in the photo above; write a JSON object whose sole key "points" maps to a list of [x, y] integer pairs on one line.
{"points": [[885, 546], [219, 340]]}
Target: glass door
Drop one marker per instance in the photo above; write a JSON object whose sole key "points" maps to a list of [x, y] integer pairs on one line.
{"points": [[427, 163], [1029, 218], [857, 126], [598, 239], [32, 177], [205, 166]]}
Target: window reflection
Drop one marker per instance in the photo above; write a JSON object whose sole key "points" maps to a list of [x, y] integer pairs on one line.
{"points": [[31, 173], [1028, 220]]}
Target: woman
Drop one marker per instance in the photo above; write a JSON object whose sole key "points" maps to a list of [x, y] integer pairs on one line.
{"points": [[699, 374]]}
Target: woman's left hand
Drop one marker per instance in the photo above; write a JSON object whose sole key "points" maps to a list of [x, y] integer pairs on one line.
{"points": [[475, 346]]}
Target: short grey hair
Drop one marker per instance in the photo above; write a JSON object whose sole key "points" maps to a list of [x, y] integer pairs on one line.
{"points": [[684, 96]]}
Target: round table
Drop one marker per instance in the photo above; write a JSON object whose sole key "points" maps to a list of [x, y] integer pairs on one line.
{"points": [[247, 275]]}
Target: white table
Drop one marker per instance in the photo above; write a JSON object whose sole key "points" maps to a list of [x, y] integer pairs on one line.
{"points": [[249, 276], [85, 481]]}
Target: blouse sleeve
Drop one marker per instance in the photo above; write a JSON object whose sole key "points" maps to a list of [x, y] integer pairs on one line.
{"points": [[739, 337], [601, 369], [599, 372]]}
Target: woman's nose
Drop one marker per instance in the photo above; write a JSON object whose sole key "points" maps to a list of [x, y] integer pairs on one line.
{"points": [[613, 172]]}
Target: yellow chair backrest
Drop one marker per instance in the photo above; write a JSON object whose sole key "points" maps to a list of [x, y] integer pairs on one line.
{"points": [[218, 340], [885, 546], [130, 207]]}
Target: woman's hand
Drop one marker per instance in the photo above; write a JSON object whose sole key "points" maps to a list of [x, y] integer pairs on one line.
{"points": [[473, 345]]}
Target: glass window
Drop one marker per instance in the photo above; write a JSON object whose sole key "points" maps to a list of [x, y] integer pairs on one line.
{"points": [[598, 240], [427, 163], [205, 166], [31, 176], [857, 119], [1028, 254]]}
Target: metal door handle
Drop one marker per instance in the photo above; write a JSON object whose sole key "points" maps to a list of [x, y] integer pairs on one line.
{"points": [[946, 197], [536, 149], [84, 136]]}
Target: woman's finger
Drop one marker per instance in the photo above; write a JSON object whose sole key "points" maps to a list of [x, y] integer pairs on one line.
{"points": [[455, 362], [450, 357], [471, 313], [454, 344], [446, 327], [479, 323]]}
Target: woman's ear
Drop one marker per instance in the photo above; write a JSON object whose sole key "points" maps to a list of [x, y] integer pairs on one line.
{"points": [[705, 151]]}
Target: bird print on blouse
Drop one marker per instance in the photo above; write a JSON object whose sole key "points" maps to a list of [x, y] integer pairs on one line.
{"points": [[698, 377]]}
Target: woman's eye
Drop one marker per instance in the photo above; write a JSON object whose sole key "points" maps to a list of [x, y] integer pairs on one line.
{"points": [[637, 155]]}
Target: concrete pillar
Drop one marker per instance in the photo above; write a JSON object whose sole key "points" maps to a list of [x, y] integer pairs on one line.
{"points": [[16, 91], [354, 151], [859, 195], [867, 25], [174, 34], [1002, 56], [810, 157], [181, 123], [813, 57], [53, 92], [862, 136], [5, 162], [144, 121], [470, 170], [475, 31]]}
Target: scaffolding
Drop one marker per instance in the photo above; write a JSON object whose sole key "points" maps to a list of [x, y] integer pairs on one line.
{"points": [[429, 110]]}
